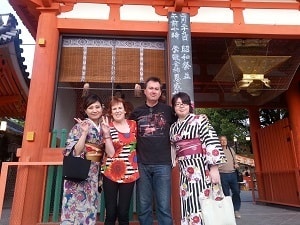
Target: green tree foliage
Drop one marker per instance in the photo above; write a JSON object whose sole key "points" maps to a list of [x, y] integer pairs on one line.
{"points": [[235, 122], [229, 122], [269, 116]]}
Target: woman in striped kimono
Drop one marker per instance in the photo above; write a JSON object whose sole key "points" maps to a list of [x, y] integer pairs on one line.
{"points": [[198, 152]]}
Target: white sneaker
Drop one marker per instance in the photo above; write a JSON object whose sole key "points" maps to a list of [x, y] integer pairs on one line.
{"points": [[237, 215]]}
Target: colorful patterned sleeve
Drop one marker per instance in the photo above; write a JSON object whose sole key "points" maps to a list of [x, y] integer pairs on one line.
{"points": [[73, 138]]}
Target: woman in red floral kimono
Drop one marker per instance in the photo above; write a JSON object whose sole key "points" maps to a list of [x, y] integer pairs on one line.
{"points": [[120, 171], [198, 152]]}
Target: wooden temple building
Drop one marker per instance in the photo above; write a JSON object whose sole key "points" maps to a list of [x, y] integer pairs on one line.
{"points": [[14, 86], [225, 54]]}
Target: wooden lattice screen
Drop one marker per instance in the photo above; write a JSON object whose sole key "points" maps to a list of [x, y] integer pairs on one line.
{"points": [[98, 65], [70, 64], [123, 64], [127, 65]]}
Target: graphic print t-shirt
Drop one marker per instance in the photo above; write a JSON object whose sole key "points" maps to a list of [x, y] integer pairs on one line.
{"points": [[153, 143]]}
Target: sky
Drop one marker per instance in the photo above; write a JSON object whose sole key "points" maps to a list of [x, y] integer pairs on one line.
{"points": [[28, 42]]}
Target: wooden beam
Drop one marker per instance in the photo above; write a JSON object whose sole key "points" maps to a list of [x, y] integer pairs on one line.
{"points": [[161, 29], [112, 27], [4, 100]]}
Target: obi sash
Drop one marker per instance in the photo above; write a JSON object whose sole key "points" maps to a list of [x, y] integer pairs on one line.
{"points": [[94, 152], [189, 147]]}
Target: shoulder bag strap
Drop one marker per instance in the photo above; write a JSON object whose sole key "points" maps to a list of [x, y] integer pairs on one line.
{"points": [[232, 156]]}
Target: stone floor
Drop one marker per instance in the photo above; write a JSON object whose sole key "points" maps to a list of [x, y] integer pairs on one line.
{"points": [[252, 213], [265, 214]]}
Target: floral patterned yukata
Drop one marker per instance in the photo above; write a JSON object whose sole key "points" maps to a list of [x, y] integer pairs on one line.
{"points": [[197, 146], [80, 199]]}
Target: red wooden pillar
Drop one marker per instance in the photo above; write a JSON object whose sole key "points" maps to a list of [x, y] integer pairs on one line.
{"points": [[29, 186], [176, 213], [293, 102], [254, 127]]}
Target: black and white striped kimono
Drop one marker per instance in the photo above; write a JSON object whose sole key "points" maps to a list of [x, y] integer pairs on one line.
{"points": [[197, 146]]}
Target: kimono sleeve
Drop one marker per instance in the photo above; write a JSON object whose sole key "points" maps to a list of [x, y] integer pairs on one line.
{"points": [[73, 138], [214, 152]]}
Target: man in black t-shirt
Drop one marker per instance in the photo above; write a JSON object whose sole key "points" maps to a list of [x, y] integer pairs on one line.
{"points": [[154, 155]]}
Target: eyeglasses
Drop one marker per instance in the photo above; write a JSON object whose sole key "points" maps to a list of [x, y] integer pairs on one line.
{"points": [[181, 104]]}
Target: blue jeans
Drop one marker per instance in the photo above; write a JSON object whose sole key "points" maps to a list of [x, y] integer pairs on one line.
{"points": [[154, 181], [229, 181]]}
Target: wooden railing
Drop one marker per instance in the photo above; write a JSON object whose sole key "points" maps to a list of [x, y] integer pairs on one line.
{"points": [[53, 191], [54, 182], [4, 171]]}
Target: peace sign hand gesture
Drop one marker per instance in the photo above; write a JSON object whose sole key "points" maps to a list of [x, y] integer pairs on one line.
{"points": [[84, 125], [105, 126]]}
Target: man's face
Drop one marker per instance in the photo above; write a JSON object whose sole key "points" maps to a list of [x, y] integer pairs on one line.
{"points": [[152, 91], [223, 141]]}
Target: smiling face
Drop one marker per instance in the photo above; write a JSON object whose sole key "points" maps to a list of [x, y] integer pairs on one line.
{"points": [[181, 109], [118, 111], [94, 111]]}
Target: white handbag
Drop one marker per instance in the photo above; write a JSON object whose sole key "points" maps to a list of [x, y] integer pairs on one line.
{"points": [[217, 211]]}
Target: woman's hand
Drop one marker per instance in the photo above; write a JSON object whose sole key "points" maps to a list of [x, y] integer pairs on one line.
{"points": [[84, 125], [105, 126], [215, 175], [109, 147]]}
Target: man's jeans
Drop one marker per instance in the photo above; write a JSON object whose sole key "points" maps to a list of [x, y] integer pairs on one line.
{"points": [[155, 180], [229, 181]]}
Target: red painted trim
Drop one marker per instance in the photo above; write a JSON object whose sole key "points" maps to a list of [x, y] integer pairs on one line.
{"points": [[191, 6], [112, 27], [178, 5], [161, 29]]}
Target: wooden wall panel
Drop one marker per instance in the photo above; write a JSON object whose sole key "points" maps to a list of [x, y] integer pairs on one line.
{"points": [[279, 171]]}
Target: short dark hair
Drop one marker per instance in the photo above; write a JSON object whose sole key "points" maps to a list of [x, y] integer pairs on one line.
{"points": [[154, 79], [90, 99], [185, 98]]}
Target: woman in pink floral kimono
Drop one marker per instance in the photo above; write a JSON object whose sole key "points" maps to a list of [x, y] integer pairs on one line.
{"points": [[80, 199], [198, 152]]}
